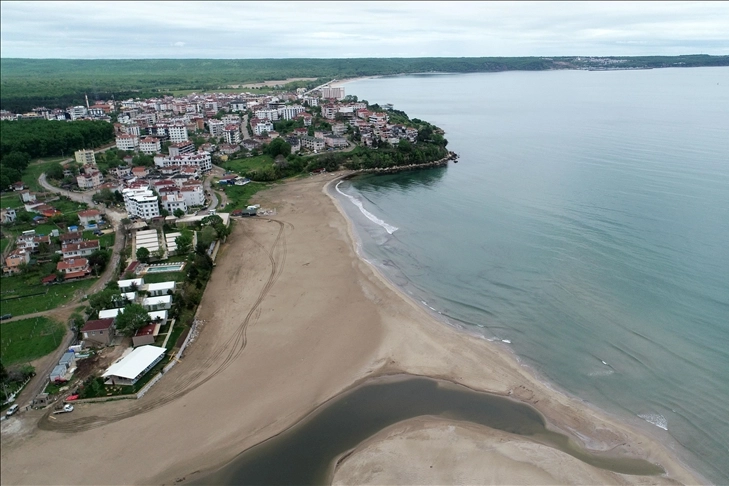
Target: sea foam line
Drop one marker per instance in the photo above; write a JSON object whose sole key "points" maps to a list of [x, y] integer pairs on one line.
{"points": [[389, 228], [656, 419]]}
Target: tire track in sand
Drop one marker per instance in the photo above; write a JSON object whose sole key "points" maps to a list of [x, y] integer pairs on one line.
{"points": [[181, 385]]}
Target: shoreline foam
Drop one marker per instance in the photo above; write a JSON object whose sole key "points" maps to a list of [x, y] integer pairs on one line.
{"points": [[650, 420]]}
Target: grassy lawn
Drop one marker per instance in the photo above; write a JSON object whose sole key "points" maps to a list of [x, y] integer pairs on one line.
{"points": [[67, 207], [241, 166], [29, 339], [25, 285], [11, 200], [106, 240], [238, 196], [164, 277], [3, 244], [35, 169]]}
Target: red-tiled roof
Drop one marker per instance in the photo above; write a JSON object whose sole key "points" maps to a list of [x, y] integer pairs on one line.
{"points": [[89, 213], [98, 324], [71, 275]]}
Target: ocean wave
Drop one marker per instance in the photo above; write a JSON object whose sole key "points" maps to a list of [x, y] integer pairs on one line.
{"points": [[656, 419], [389, 228]]}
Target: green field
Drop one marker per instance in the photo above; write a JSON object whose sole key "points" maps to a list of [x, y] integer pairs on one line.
{"points": [[34, 171], [52, 296], [241, 166], [105, 240], [10, 200], [239, 196], [29, 339]]}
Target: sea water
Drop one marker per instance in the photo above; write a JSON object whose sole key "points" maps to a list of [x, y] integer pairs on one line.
{"points": [[585, 226]]}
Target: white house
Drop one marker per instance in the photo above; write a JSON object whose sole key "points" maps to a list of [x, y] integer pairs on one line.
{"points": [[161, 288], [129, 285], [141, 203], [134, 366], [161, 302]]}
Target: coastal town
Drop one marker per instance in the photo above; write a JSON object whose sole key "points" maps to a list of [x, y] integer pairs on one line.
{"points": [[129, 231]]}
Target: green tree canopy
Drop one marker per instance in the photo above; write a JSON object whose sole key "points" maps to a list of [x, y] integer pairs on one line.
{"points": [[134, 317], [143, 254]]}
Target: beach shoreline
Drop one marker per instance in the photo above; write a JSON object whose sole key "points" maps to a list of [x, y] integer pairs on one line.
{"points": [[319, 320]]}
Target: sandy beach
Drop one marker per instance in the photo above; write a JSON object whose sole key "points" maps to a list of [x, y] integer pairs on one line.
{"points": [[293, 317]]}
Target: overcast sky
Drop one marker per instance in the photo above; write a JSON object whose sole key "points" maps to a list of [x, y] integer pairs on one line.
{"points": [[239, 30]]}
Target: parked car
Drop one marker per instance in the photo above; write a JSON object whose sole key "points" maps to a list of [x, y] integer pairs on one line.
{"points": [[12, 410], [68, 407], [6, 316]]}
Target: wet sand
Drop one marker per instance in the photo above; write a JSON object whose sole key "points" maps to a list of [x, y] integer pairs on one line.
{"points": [[292, 318]]}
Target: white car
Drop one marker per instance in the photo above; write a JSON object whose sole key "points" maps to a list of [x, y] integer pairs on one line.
{"points": [[68, 407], [12, 410]]}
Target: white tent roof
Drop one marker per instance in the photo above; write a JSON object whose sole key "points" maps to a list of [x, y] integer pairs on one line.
{"points": [[127, 283], [107, 313], [136, 362], [161, 299], [153, 287]]}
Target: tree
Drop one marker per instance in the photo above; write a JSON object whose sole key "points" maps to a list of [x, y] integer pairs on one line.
{"points": [[134, 317], [99, 259], [55, 171], [178, 213], [143, 255], [184, 243]]}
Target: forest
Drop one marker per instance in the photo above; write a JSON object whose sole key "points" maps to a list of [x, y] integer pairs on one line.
{"points": [[23, 140], [59, 83]]}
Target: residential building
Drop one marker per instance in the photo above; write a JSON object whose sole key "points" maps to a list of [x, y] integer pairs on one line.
{"points": [[262, 126], [8, 215], [329, 111], [127, 142], [193, 195], [295, 144], [99, 331], [87, 216], [76, 250], [71, 237], [312, 143], [202, 160], [74, 267], [173, 202], [141, 203], [290, 112], [15, 259], [238, 105], [178, 133], [232, 134], [334, 141], [85, 156], [267, 114], [216, 127], [150, 145], [90, 180], [140, 172], [161, 302], [180, 148]]}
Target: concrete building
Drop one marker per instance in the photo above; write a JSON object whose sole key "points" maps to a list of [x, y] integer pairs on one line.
{"points": [[232, 134], [141, 203], [178, 133], [332, 93], [84, 156], [77, 250], [182, 148], [127, 142], [89, 180], [173, 202], [216, 127], [202, 160], [150, 145]]}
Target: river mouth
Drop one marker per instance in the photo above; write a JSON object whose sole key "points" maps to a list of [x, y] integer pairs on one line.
{"points": [[305, 453]]}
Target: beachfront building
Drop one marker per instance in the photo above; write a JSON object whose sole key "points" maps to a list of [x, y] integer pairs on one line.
{"points": [[134, 366], [160, 302]]}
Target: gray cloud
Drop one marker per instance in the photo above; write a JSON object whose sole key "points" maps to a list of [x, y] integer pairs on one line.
{"points": [[359, 29]]}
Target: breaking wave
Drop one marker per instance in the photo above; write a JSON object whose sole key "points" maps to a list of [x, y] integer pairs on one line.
{"points": [[389, 228]]}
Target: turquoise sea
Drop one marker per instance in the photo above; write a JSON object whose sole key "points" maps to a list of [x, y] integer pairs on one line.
{"points": [[585, 227]]}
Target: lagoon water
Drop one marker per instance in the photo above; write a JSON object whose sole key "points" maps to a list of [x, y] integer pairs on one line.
{"points": [[586, 225]]}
